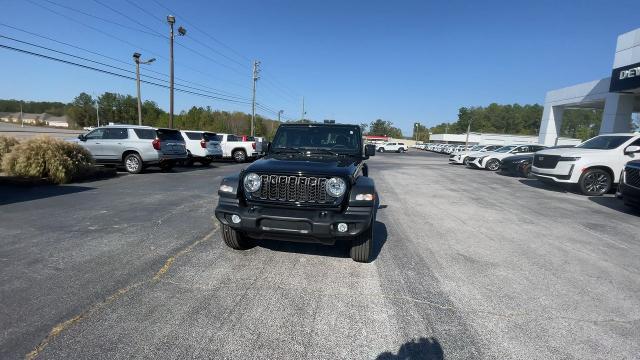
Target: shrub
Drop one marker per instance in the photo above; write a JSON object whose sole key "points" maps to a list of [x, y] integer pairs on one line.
{"points": [[45, 157], [6, 143]]}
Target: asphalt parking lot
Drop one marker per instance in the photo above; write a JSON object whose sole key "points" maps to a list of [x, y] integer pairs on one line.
{"points": [[469, 264]]}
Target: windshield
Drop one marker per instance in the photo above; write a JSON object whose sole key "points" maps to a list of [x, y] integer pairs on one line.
{"points": [[605, 142], [338, 139], [505, 149], [476, 148], [169, 134]]}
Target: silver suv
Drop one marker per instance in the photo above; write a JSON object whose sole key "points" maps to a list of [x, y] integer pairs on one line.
{"points": [[135, 147]]}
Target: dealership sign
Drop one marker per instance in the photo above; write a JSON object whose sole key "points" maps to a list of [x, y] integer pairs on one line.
{"points": [[625, 78]]}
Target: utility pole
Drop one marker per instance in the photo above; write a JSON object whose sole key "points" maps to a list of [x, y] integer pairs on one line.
{"points": [[21, 115], [303, 112], [279, 114], [97, 112], [256, 71], [136, 59], [446, 132], [182, 32]]}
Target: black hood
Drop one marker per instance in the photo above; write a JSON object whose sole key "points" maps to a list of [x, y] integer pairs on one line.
{"points": [[515, 158], [300, 164]]}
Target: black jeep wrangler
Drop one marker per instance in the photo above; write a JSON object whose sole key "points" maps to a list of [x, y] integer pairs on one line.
{"points": [[312, 186]]}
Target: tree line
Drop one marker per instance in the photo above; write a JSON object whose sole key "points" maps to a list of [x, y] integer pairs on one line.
{"points": [[519, 119], [123, 109]]}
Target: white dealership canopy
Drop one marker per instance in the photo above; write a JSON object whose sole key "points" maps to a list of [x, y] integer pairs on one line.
{"points": [[618, 95]]}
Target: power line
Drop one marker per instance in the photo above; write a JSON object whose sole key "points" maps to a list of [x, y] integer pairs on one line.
{"points": [[113, 59], [128, 17], [152, 33], [115, 67], [117, 74], [203, 32], [129, 43]]}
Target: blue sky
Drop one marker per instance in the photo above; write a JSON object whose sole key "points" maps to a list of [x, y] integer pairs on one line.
{"points": [[353, 61]]}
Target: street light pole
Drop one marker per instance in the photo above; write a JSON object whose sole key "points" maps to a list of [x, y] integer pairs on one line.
{"points": [[279, 114], [136, 59], [181, 31]]}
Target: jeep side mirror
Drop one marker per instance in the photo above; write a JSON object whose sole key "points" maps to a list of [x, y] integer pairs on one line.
{"points": [[632, 149], [369, 150], [82, 137]]}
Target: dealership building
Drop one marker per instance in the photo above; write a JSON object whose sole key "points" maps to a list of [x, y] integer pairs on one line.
{"points": [[618, 96]]}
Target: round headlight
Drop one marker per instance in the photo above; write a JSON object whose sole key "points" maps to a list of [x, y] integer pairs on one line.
{"points": [[252, 182], [336, 187]]}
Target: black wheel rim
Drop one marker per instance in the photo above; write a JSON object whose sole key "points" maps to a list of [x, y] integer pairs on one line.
{"points": [[493, 165], [596, 182]]}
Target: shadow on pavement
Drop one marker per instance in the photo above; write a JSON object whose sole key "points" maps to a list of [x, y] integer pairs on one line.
{"points": [[546, 186], [614, 203], [339, 250], [423, 349], [15, 194]]}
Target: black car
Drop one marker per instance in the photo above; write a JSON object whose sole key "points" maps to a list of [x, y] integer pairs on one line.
{"points": [[517, 165], [629, 185], [311, 186]]}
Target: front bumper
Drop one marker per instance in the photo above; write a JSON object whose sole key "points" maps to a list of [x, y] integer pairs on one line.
{"points": [[630, 194], [563, 173], [477, 163], [293, 224]]}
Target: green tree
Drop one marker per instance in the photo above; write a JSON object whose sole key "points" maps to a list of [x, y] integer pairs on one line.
{"points": [[81, 111], [381, 127]]}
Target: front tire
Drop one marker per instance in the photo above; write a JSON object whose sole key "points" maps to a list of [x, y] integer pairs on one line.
{"points": [[133, 163], [381, 150], [234, 239], [466, 161], [595, 182], [525, 171], [239, 156], [362, 245], [493, 165]]}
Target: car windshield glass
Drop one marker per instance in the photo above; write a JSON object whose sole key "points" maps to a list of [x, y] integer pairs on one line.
{"points": [[477, 147], [505, 149], [210, 136], [335, 138], [605, 142], [168, 134]]}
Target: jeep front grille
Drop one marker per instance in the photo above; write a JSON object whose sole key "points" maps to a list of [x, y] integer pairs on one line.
{"points": [[632, 176], [293, 189]]}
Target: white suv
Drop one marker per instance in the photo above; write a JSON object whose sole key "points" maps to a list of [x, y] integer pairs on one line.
{"points": [[595, 165], [202, 147], [490, 160], [393, 146], [134, 147]]}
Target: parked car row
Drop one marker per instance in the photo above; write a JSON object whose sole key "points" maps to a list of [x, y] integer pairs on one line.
{"points": [[593, 167], [137, 147]]}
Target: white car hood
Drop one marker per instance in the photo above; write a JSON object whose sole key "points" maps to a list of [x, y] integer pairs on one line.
{"points": [[570, 152]]}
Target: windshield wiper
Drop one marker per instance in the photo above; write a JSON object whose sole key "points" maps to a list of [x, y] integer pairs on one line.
{"points": [[327, 151], [287, 150]]}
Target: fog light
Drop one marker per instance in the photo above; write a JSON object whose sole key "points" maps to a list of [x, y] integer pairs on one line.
{"points": [[235, 219], [342, 227], [364, 197]]}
